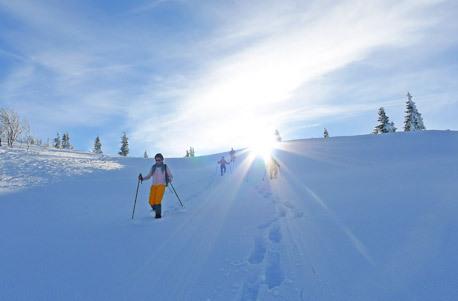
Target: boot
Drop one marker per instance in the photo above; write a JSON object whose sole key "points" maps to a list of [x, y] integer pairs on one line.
{"points": [[158, 211]]}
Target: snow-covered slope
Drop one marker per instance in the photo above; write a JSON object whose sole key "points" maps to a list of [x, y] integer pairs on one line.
{"points": [[350, 218], [22, 168]]}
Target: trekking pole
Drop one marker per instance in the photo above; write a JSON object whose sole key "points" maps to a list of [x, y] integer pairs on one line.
{"points": [[135, 202], [176, 195]]}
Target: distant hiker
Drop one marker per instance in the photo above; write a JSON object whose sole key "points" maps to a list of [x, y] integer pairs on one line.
{"points": [[162, 176], [222, 164], [232, 154], [273, 167]]}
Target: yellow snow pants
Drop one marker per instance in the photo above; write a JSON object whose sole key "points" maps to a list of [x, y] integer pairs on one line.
{"points": [[156, 193]]}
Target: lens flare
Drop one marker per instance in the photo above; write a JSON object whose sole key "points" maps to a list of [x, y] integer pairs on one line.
{"points": [[262, 146]]}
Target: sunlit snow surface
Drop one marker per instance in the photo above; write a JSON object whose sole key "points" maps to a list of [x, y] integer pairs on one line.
{"points": [[349, 218], [21, 168]]}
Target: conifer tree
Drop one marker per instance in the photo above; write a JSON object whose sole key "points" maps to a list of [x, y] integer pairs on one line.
{"points": [[277, 136], [384, 124], [124, 146], [413, 120], [69, 145], [57, 142], [66, 141], [325, 133], [145, 155], [187, 154], [97, 146], [191, 152]]}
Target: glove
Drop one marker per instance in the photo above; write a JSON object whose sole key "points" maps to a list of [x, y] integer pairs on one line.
{"points": [[140, 177]]}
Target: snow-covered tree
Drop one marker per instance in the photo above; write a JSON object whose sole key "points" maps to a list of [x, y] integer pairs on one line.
{"points": [[66, 141], [325, 133], [190, 152], [277, 136], [97, 146], [145, 155], [384, 124], [124, 145], [11, 125], [57, 142], [27, 134], [413, 120]]}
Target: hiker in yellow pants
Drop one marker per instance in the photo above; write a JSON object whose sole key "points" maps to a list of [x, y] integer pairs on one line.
{"points": [[162, 176], [155, 194]]}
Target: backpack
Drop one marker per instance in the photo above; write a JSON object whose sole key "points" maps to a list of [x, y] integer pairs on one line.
{"points": [[164, 169]]}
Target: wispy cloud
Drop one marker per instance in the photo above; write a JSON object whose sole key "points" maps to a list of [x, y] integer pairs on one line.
{"points": [[147, 6], [219, 76], [258, 86]]}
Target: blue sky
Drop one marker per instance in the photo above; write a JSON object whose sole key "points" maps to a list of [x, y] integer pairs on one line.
{"points": [[221, 74]]}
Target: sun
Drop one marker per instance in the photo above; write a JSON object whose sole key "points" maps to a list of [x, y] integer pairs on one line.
{"points": [[262, 145]]}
